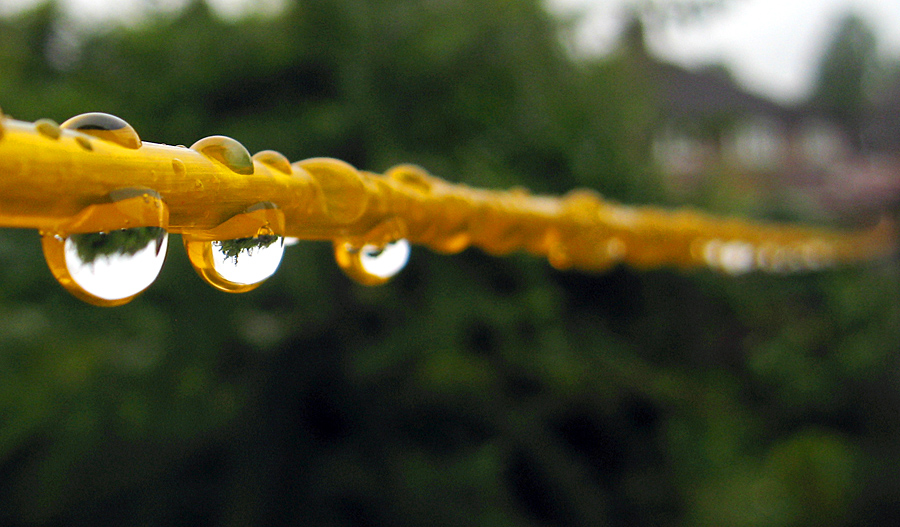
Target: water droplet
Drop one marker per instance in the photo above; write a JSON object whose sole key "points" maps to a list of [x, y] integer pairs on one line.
{"points": [[777, 259], [47, 128], [274, 160], [372, 264], [559, 258], [238, 265], [85, 143], [557, 253], [452, 243], [410, 176], [227, 151], [737, 257], [106, 127], [107, 268], [711, 251], [178, 168], [616, 248], [109, 252]]}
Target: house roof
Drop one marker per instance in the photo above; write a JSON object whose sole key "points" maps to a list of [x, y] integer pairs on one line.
{"points": [[684, 93]]}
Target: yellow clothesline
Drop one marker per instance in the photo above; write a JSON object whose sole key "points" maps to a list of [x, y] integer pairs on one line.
{"points": [[79, 182]]}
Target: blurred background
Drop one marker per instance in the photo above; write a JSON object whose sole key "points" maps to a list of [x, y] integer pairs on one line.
{"points": [[470, 390]]}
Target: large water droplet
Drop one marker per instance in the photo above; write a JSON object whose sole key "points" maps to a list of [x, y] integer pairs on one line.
{"points": [[106, 127], [238, 265], [227, 151], [372, 264], [107, 268]]}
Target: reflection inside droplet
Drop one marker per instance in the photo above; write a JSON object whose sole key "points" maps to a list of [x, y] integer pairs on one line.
{"points": [[372, 264], [104, 126], [384, 262], [247, 261], [737, 257], [237, 265], [107, 268]]}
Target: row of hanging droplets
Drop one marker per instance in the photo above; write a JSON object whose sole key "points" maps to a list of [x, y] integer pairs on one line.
{"points": [[112, 267]]}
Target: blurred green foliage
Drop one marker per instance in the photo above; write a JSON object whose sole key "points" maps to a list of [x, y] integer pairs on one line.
{"points": [[471, 390], [848, 68]]}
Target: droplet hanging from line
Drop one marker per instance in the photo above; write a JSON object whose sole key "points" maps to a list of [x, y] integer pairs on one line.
{"points": [[107, 268], [372, 264], [237, 265], [110, 252], [241, 253], [248, 260]]}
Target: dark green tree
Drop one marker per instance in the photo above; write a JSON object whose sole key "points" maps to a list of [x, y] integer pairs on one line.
{"points": [[844, 71]]}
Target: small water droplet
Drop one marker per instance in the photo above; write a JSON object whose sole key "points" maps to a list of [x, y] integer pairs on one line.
{"points": [[236, 266], [106, 127], [227, 151], [47, 128], [737, 257], [559, 258], [711, 250], [107, 268], [411, 176], [616, 248], [452, 243], [178, 167], [372, 264], [85, 143]]}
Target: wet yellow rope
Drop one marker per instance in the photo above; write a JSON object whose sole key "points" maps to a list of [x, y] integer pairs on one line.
{"points": [[87, 174]]}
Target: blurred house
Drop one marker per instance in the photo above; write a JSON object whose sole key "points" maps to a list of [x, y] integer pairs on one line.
{"points": [[709, 131]]}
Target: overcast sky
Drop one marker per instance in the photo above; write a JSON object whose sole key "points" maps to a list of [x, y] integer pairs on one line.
{"points": [[772, 46]]}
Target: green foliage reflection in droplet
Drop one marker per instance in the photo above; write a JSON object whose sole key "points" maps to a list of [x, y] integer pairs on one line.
{"points": [[126, 242], [232, 248]]}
